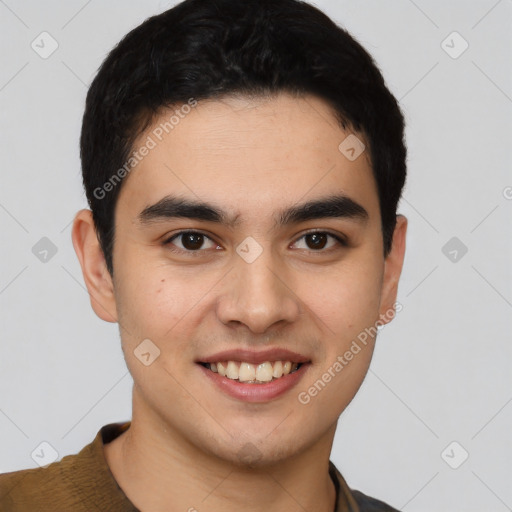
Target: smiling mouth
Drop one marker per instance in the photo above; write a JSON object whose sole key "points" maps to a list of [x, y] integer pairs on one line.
{"points": [[249, 373]]}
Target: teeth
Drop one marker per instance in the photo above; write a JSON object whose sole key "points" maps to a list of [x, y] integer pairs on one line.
{"points": [[278, 369], [247, 372], [264, 372], [221, 369], [232, 370]]}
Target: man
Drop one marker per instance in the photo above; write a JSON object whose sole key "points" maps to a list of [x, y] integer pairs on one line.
{"points": [[243, 162]]}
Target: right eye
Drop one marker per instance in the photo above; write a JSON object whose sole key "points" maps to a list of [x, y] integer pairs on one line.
{"points": [[189, 242]]}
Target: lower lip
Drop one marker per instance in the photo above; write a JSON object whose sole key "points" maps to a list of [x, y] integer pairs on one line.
{"points": [[256, 392]]}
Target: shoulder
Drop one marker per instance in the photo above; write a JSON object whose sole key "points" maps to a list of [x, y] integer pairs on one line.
{"points": [[356, 500], [37, 488], [79, 482], [368, 504]]}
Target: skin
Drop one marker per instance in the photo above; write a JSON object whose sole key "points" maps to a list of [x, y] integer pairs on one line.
{"points": [[251, 157]]}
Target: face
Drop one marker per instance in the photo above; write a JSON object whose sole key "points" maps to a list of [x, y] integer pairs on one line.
{"points": [[247, 243]]}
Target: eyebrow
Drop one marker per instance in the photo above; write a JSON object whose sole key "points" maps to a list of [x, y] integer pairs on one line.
{"points": [[335, 206]]}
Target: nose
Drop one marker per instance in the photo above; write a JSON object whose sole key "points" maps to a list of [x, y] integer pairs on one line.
{"points": [[258, 295]]}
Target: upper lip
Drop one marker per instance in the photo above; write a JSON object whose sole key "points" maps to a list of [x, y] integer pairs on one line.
{"points": [[255, 357]]}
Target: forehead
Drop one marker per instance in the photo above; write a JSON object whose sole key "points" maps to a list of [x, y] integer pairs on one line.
{"points": [[249, 155]]}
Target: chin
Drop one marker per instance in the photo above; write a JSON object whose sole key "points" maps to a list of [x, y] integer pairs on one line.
{"points": [[258, 453]]}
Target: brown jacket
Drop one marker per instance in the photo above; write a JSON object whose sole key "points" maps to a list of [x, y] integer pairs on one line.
{"points": [[83, 483]]}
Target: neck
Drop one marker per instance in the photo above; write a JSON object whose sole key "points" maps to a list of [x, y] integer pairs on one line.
{"points": [[161, 470]]}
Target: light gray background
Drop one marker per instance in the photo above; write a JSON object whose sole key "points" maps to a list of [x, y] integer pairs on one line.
{"points": [[441, 370]]}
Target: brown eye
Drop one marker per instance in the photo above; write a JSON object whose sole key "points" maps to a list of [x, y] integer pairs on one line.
{"points": [[191, 241], [316, 240], [319, 240]]}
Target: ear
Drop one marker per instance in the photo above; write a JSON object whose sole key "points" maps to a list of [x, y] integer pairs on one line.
{"points": [[392, 270], [94, 268]]}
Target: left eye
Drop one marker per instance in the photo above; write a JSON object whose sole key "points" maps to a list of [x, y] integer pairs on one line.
{"points": [[319, 240]]}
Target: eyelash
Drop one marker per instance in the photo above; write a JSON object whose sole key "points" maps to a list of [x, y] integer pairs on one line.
{"points": [[342, 242]]}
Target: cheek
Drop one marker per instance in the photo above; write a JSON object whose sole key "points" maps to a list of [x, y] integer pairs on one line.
{"points": [[163, 303], [150, 301], [347, 300]]}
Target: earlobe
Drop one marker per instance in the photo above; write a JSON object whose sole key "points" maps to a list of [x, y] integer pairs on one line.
{"points": [[392, 269], [94, 269]]}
